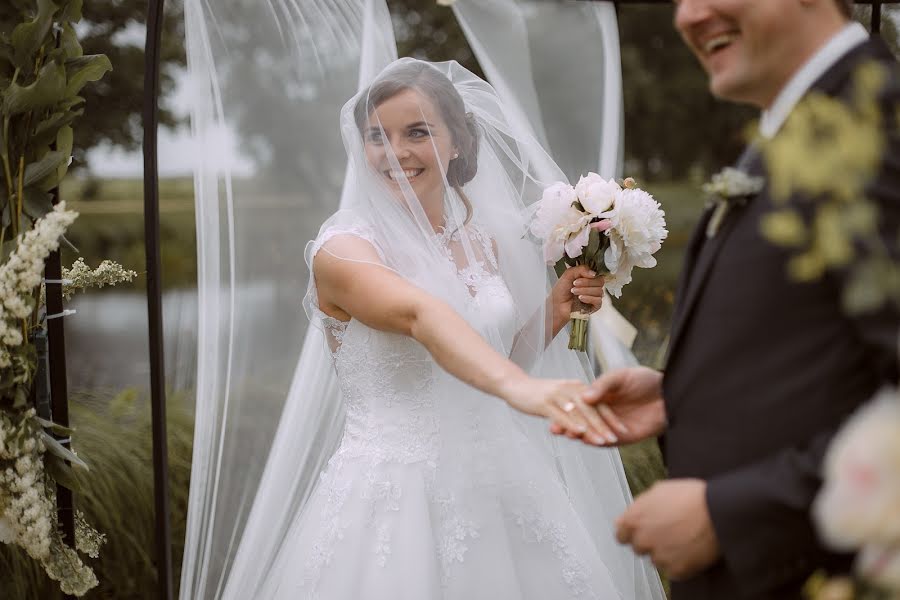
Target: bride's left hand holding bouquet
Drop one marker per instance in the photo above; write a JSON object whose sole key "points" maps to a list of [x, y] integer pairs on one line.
{"points": [[608, 227]]}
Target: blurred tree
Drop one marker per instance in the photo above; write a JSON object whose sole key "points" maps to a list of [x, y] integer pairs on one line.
{"points": [[113, 105], [116, 28], [672, 122], [430, 32]]}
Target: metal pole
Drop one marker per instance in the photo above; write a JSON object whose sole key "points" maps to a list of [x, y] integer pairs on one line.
{"points": [[59, 388], [154, 301]]}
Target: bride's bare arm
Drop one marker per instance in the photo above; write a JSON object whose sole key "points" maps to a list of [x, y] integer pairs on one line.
{"points": [[357, 286]]}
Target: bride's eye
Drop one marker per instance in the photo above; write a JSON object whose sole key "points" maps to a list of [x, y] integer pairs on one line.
{"points": [[374, 137], [418, 133]]}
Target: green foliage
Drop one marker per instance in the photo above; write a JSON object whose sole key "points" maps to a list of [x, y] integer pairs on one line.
{"points": [[114, 104], [40, 79], [114, 431], [837, 228]]}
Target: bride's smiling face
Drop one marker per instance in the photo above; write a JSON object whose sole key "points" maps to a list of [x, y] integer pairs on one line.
{"points": [[407, 131]]}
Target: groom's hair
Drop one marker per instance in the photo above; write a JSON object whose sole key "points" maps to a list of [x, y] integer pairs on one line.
{"points": [[440, 91]]}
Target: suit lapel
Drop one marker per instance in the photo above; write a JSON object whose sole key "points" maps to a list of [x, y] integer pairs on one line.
{"points": [[701, 253], [701, 256]]}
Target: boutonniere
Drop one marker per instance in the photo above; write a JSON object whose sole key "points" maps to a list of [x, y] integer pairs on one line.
{"points": [[729, 187]]}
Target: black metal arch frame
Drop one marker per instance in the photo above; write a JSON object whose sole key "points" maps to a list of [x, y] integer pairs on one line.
{"points": [[163, 552]]}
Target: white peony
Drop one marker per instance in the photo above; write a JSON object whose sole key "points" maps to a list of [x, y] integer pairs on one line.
{"points": [[557, 242], [859, 503], [553, 208], [640, 221], [596, 194], [638, 227], [575, 245]]}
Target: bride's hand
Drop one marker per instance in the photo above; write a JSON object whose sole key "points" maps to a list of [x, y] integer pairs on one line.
{"points": [[578, 281], [560, 401]]}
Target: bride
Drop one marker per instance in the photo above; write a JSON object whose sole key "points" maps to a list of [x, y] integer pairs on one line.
{"points": [[434, 304]]}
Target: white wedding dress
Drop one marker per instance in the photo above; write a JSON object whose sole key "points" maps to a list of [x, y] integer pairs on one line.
{"points": [[432, 497]]}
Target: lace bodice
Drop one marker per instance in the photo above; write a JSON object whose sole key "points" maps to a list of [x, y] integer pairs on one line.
{"points": [[385, 378]]}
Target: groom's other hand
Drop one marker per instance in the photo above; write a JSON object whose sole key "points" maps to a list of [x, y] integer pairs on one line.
{"points": [[630, 402], [670, 523]]}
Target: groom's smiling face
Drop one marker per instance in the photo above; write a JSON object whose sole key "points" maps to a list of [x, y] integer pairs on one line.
{"points": [[749, 48]]}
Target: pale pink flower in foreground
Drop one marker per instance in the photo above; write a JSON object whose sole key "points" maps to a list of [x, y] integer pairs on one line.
{"points": [[880, 565], [859, 504]]}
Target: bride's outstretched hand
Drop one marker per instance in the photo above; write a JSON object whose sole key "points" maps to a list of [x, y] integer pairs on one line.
{"points": [[560, 401], [630, 402]]}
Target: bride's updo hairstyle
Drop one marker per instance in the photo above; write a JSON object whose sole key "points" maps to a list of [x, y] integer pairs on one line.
{"points": [[432, 84]]}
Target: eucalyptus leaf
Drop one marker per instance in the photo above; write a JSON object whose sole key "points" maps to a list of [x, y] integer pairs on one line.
{"points": [[55, 427], [37, 203], [28, 37], [70, 103], [72, 11], [57, 449], [9, 246], [68, 41], [40, 169], [63, 473], [21, 398], [47, 90], [65, 138], [47, 130], [84, 69], [6, 53]]}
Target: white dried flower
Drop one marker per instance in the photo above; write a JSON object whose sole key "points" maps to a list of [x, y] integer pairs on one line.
{"points": [[7, 533]]}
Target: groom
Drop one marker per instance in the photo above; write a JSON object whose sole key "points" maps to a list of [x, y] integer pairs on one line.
{"points": [[762, 370]]}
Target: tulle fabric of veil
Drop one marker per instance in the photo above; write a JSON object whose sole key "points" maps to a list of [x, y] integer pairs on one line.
{"points": [[269, 412], [557, 64]]}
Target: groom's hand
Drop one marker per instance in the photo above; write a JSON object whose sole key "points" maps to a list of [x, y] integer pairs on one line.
{"points": [[670, 522], [630, 403]]}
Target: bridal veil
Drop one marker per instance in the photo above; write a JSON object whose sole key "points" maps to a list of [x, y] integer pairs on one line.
{"points": [[276, 73]]}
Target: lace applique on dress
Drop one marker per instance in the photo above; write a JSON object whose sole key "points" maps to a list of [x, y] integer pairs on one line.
{"points": [[537, 527]]}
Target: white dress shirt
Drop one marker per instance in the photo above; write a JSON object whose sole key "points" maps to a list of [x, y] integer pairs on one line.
{"points": [[834, 49]]}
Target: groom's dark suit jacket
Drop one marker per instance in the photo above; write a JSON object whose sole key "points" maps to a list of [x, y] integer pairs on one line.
{"points": [[763, 370]]}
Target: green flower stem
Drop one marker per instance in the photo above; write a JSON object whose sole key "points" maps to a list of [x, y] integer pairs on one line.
{"points": [[579, 322]]}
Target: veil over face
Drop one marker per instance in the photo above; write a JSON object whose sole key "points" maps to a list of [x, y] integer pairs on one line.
{"points": [[443, 182]]}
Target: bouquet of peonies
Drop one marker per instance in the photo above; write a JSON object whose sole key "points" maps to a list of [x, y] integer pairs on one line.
{"points": [[598, 223]]}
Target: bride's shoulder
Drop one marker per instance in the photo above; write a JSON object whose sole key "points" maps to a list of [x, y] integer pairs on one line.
{"points": [[344, 224]]}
